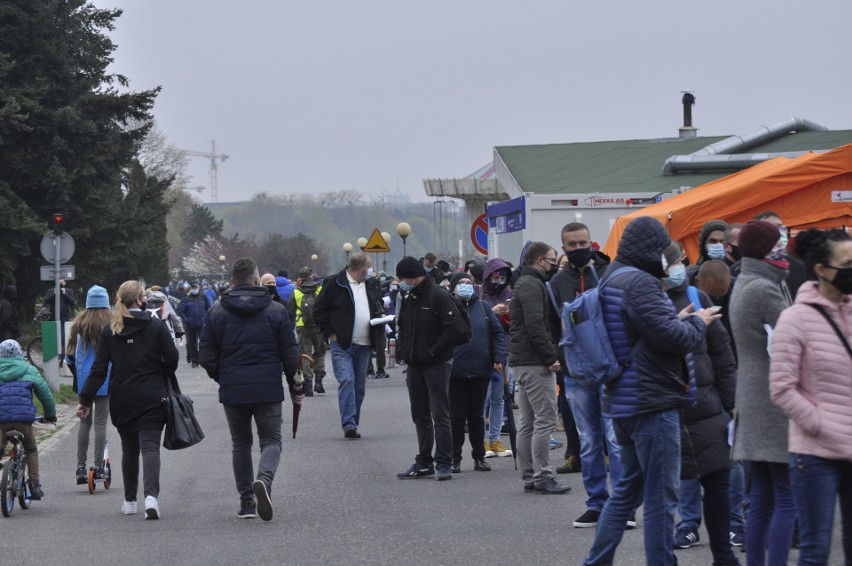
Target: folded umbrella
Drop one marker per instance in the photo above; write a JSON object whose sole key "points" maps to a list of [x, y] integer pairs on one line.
{"points": [[300, 380]]}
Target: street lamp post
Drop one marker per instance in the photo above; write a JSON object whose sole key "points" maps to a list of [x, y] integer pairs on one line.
{"points": [[347, 249], [222, 265], [314, 258], [387, 238], [404, 230], [362, 243]]}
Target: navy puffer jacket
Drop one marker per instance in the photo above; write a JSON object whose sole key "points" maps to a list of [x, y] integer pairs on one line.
{"points": [[245, 346], [635, 307], [487, 346]]}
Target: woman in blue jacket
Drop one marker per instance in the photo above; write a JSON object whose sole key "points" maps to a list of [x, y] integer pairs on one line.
{"points": [[80, 355], [474, 364]]}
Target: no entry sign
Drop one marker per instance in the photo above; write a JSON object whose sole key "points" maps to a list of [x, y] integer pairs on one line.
{"points": [[479, 233]]}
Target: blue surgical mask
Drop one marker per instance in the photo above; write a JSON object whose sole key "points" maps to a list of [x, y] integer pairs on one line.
{"points": [[194, 292], [394, 287], [428, 269], [677, 275], [369, 272], [716, 251], [464, 290], [407, 287], [784, 240]]}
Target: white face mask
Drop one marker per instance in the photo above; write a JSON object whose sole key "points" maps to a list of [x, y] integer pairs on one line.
{"points": [[716, 251]]}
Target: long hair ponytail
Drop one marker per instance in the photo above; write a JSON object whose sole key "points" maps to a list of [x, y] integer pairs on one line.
{"points": [[127, 293]]}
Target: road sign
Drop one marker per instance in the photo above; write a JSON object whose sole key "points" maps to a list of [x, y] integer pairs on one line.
{"points": [[376, 243], [479, 233], [48, 272], [49, 247]]}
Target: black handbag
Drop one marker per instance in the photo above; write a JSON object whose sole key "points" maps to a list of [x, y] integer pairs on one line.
{"points": [[182, 428]]}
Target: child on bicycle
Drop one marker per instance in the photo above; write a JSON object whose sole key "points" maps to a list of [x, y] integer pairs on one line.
{"points": [[80, 355], [18, 381]]}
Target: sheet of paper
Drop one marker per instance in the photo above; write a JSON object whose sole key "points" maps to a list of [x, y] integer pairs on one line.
{"points": [[768, 330], [381, 320]]}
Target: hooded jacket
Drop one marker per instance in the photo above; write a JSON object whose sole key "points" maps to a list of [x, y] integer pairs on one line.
{"points": [[635, 307], [18, 381], [502, 293], [285, 288], [142, 355], [246, 345]]}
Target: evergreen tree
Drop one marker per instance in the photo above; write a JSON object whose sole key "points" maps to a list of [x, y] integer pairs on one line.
{"points": [[65, 137]]}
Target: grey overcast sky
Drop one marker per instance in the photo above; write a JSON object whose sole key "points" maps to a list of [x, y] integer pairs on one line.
{"points": [[316, 96]]}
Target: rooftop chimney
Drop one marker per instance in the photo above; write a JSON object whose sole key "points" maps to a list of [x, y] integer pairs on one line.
{"points": [[687, 131]]}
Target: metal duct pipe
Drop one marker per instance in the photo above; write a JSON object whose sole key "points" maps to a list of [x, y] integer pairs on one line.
{"points": [[738, 144], [691, 163]]}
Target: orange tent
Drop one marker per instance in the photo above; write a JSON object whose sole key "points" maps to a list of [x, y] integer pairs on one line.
{"points": [[812, 190]]}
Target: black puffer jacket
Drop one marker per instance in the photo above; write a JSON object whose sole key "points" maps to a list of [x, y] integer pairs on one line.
{"points": [[245, 346], [143, 354], [704, 438], [534, 324], [430, 326]]}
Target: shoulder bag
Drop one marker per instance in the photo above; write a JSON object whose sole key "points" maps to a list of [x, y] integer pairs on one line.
{"points": [[834, 326], [182, 428]]}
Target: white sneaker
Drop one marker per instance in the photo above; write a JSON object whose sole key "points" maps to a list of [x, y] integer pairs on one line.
{"points": [[152, 509], [128, 508]]}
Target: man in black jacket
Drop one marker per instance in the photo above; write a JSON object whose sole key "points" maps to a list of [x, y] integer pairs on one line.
{"points": [[429, 327], [246, 344], [343, 311], [533, 357]]}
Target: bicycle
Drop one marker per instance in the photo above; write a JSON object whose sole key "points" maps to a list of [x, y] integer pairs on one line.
{"points": [[34, 346], [13, 483]]}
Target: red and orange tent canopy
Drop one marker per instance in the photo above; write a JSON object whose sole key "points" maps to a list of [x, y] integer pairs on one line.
{"points": [[812, 190]]}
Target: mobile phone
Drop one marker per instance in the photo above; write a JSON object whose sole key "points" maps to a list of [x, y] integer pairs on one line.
{"points": [[715, 309]]}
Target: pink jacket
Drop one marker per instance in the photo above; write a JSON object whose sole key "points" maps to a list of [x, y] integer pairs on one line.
{"points": [[810, 376]]}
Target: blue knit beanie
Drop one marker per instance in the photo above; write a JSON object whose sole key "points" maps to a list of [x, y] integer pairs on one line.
{"points": [[97, 298]]}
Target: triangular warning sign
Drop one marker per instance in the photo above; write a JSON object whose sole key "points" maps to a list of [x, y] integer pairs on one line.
{"points": [[376, 243]]}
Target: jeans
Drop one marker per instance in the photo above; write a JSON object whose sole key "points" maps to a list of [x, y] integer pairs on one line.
{"points": [[817, 483], [689, 505], [537, 404], [100, 415], [350, 371], [146, 442], [650, 473], [771, 514], [572, 436], [494, 402], [594, 430], [429, 393], [467, 400], [267, 417]]}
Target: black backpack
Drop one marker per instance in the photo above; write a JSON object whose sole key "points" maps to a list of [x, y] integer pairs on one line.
{"points": [[306, 309]]}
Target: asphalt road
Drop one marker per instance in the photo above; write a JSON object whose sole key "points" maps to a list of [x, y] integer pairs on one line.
{"points": [[336, 501]]}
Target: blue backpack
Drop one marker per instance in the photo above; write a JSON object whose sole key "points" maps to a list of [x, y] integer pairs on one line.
{"points": [[589, 357]]}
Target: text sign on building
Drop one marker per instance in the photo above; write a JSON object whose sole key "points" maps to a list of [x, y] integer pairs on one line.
{"points": [[509, 216], [841, 196]]}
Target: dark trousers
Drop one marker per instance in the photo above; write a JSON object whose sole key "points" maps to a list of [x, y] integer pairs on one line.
{"points": [[193, 335], [379, 353], [146, 442], [572, 437], [717, 515], [267, 419], [467, 404], [428, 391]]}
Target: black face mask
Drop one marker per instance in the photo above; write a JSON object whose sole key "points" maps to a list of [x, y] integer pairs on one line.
{"points": [[580, 256], [143, 306], [554, 269], [843, 280], [735, 253], [271, 289]]}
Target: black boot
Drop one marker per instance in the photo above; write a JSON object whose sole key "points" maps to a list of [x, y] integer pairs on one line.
{"points": [[480, 465], [456, 466]]}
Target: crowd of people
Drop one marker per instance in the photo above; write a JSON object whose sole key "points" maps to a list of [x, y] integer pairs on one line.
{"points": [[731, 406]]}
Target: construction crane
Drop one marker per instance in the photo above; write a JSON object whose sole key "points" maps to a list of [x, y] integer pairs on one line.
{"points": [[214, 170]]}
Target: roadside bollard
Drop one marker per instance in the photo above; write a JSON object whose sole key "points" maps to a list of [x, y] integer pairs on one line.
{"points": [[391, 362]]}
